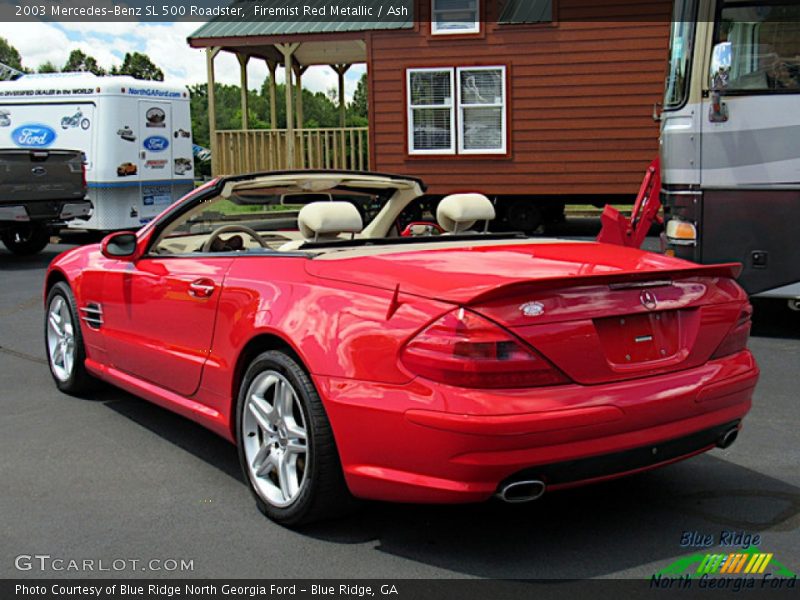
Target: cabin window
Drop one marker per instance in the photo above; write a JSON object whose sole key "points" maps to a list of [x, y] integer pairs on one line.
{"points": [[459, 110], [430, 111], [757, 48], [482, 110], [455, 17]]}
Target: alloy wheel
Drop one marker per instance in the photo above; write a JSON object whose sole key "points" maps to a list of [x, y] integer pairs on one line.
{"points": [[60, 338], [275, 439]]}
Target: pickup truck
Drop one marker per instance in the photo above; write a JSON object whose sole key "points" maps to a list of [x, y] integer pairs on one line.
{"points": [[39, 191]]}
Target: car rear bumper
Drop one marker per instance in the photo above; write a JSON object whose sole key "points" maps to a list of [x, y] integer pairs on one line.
{"points": [[46, 210], [424, 442]]}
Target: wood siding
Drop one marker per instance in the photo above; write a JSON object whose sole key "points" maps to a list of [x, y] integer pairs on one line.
{"points": [[580, 100]]}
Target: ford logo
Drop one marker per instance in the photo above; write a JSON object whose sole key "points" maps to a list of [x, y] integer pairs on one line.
{"points": [[156, 143], [33, 136]]}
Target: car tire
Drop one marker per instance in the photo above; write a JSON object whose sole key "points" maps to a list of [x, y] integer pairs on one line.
{"points": [[63, 340], [286, 446], [25, 240]]}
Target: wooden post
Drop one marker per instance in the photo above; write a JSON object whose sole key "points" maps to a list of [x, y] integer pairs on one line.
{"points": [[288, 51], [243, 60], [298, 71], [340, 71], [211, 52], [273, 106]]}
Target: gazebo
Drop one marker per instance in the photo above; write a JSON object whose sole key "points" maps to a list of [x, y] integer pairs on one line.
{"points": [[294, 46]]}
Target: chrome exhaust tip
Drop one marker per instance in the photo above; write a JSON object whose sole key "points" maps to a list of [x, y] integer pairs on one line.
{"points": [[727, 438], [518, 492]]}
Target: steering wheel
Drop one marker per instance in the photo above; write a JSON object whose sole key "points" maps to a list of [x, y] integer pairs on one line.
{"points": [[228, 229]]}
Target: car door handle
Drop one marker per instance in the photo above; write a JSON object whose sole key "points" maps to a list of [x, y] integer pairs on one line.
{"points": [[201, 288]]}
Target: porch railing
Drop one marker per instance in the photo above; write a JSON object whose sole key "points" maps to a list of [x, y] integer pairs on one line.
{"points": [[243, 151]]}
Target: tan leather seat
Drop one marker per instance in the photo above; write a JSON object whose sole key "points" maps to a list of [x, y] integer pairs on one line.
{"points": [[459, 212], [325, 221]]}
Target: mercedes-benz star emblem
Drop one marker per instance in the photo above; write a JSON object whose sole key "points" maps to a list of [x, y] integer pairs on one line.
{"points": [[648, 300]]}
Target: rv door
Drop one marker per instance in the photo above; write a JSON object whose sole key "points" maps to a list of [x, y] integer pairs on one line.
{"points": [[749, 152]]}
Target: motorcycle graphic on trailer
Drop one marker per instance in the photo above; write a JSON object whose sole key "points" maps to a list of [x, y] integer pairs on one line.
{"points": [[75, 120]]}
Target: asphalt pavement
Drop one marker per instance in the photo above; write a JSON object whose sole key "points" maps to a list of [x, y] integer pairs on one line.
{"points": [[116, 478]]}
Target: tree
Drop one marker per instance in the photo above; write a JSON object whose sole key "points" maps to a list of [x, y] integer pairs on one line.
{"points": [[359, 104], [357, 110], [10, 55], [47, 67], [80, 62], [139, 66]]}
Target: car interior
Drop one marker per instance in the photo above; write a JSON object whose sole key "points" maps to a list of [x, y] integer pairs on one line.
{"points": [[283, 215]]}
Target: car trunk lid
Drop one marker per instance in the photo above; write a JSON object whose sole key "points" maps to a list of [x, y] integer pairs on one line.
{"points": [[599, 313]]}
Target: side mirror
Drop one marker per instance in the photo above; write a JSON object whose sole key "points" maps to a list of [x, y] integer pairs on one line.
{"points": [[120, 245], [721, 66]]}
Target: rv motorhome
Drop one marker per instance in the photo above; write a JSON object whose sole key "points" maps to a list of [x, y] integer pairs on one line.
{"points": [[730, 140]]}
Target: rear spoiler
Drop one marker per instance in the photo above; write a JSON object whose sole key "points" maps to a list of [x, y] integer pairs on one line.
{"points": [[623, 279]]}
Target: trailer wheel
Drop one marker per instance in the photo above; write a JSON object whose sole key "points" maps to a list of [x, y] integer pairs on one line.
{"points": [[25, 239], [523, 215]]}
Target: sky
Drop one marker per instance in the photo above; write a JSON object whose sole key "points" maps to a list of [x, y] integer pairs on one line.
{"points": [[166, 45]]}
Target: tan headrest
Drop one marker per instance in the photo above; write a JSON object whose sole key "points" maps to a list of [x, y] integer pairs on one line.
{"points": [[328, 219], [459, 212]]}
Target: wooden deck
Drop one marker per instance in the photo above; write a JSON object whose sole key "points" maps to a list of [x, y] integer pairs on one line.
{"points": [[249, 150]]}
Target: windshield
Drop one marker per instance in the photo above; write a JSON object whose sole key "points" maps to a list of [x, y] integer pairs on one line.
{"points": [[757, 47], [680, 53]]}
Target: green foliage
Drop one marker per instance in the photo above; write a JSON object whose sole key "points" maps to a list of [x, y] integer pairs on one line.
{"points": [[139, 66], [358, 107], [80, 62], [10, 55], [47, 67], [318, 109]]}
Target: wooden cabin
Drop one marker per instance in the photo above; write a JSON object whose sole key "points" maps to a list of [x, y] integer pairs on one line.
{"points": [[534, 102]]}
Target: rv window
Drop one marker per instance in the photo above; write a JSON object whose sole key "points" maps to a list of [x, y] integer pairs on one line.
{"points": [[757, 48], [680, 53]]}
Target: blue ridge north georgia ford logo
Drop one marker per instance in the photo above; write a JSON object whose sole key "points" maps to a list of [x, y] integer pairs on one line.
{"points": [[33, 135], [156, 143]]}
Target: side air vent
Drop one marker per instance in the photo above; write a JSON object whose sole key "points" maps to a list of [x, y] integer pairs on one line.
{"points": [[92, 315]]}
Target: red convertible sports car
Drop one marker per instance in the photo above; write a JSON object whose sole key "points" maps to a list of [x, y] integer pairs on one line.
{"points": [[352, 344]]}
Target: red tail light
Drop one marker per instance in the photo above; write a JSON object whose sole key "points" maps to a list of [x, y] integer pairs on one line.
{"points": [[736, 340], [464, 349]]}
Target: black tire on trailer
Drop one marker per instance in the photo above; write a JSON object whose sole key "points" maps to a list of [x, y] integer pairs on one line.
{"points": [[524, 215]]}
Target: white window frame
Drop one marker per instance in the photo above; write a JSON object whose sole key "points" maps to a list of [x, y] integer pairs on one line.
{"points": [[411, 108], [457, 113], [435, 30], [502, 105]]}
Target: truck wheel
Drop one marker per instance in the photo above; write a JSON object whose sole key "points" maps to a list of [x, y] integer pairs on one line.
{"points": [[25, 239]]}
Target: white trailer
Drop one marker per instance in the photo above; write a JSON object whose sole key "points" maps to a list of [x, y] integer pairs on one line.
{"points": [[136, 135]]}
